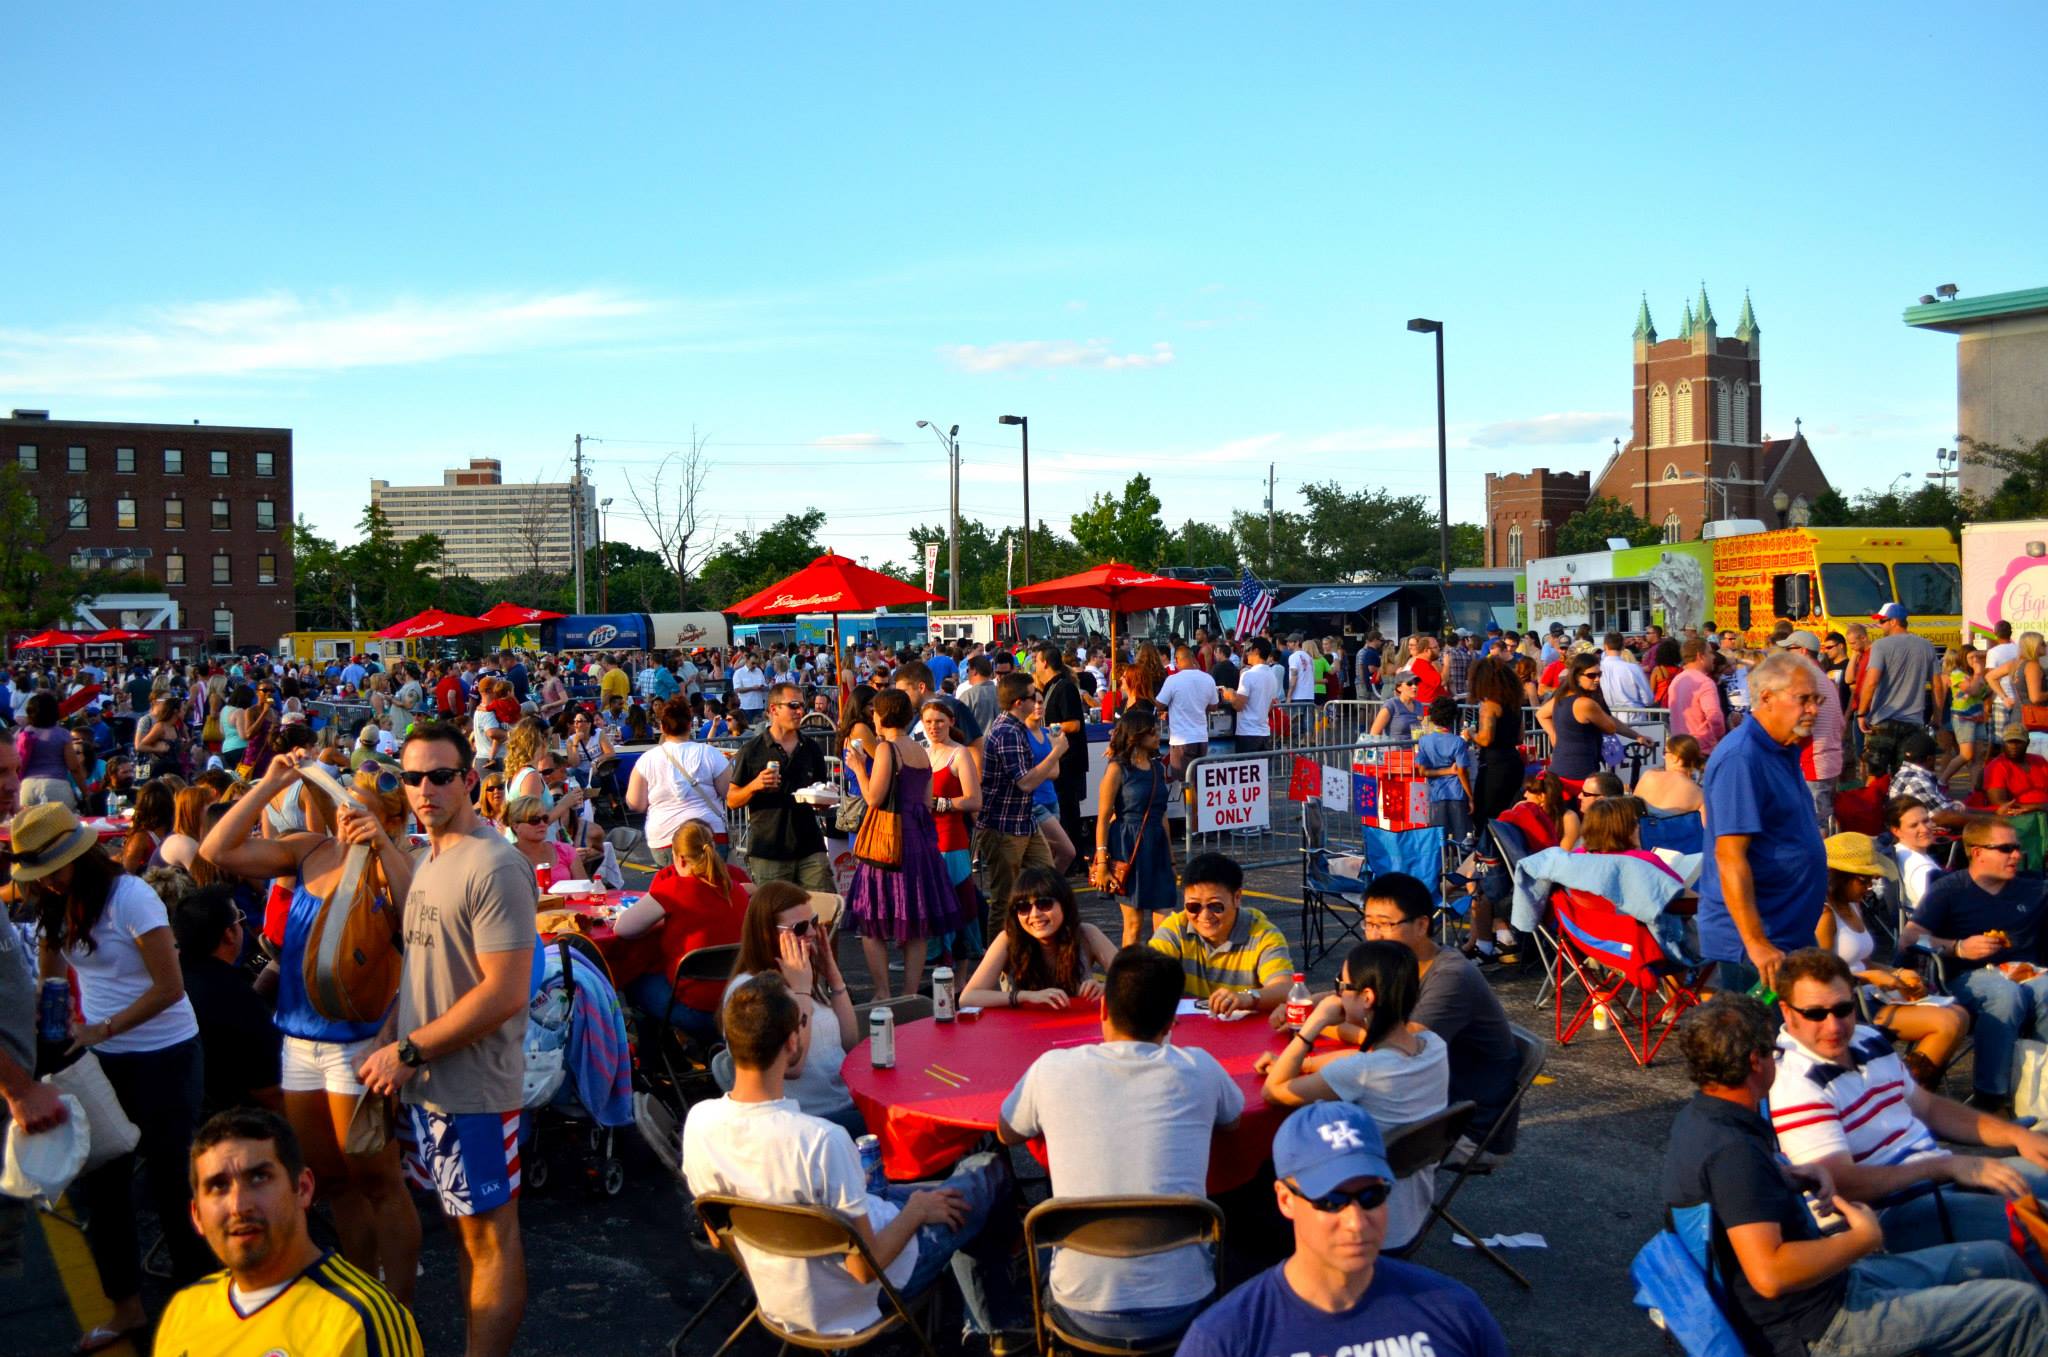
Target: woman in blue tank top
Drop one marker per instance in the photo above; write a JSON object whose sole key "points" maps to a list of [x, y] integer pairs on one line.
{"points": [[1577, 720], [373, 1214]]}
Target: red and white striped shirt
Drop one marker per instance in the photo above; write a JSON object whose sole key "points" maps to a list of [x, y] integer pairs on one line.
{"points": [[1859, 1107]]}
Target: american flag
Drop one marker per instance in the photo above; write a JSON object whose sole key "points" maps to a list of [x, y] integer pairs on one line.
{"points": [[1254, 603]]}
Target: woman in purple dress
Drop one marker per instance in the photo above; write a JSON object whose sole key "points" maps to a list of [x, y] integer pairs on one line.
{"points": [[910, 902]]}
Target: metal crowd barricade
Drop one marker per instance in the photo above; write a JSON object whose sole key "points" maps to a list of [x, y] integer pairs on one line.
{"points": [[1287, 826]]}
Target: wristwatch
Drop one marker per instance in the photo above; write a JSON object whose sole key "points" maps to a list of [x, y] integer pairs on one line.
{"points": [[409, 1054]]}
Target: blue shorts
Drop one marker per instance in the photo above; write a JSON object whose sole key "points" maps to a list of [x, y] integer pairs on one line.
{"points": [[470, 1158]]}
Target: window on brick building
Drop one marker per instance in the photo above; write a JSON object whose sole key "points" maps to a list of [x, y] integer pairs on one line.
{"points": [[266, 514], [1515, 546], [1739, 416], [1724, 412], [220, 514], [1674, 531], [80, 515], [124, 461], [1660, 416], [174, 513], [219, 461], [224, 627], [266, 569], [174, 461], [124, 513], [1671, 471], [174, 568], [77, 458], [1681, 415], [266, 464], [223, 569], [26, 456]]}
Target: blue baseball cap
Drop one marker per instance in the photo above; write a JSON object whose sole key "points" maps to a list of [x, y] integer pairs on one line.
{"points": [[1890, 612], [1326, 1144]]}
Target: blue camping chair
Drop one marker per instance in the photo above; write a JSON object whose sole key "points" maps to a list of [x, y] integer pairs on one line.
{"points": [[1419, 853], [1680, 832], [1678, 1284], [1327, 897]]}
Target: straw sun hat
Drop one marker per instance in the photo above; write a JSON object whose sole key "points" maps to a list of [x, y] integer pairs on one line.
{"points": [[1857, 855], [45, 838]]}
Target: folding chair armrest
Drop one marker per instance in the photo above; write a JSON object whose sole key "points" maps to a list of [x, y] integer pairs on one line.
{"points": [[1920, 957]]}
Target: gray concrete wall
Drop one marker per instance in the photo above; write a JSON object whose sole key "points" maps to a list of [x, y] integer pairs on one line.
{"points": [[2001, 389]]}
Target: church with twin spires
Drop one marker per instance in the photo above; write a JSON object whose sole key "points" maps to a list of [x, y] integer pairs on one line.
{"points": [[1698, 451]]}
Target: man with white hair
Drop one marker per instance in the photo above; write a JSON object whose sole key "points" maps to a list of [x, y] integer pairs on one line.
{"points": [[1764, 882]]}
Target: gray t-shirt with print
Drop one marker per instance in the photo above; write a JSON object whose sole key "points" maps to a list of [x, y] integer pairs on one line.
{"points": [[473, 897], [18, 991]]}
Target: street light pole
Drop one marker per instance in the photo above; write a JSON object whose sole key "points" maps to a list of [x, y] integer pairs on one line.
{"points": [[951, 442], [1023, 423], [1443, 473], [604, 592]]}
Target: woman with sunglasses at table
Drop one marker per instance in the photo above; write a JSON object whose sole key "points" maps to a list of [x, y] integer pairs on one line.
{"points": [[373, 1214], [1046, 956], [694, 901], [526, 825], [1396, 1069], [781, 933]]}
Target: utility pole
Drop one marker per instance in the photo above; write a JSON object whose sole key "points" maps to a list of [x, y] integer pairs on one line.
{"points": [[1269, 520], [576, 521], [953, 535], [1023, 423]]}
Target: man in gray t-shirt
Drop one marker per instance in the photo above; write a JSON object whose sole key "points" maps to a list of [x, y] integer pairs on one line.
{"points": [[1132, 1115], [1896, 685]]}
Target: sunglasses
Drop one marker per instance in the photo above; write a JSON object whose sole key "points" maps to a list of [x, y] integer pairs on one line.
{"points": [[1213, 909], [1842, 1010], [791, 706], [1036, 904], [800, 929], [2001, 847], [387, 782], [1371, 1197], [440, 777]]}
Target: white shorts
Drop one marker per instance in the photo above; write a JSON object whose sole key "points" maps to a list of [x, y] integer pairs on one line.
{"points": [[324, 1066]]}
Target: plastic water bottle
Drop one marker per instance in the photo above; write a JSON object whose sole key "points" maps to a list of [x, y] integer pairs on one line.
{"points": [[942, 994], [1299, 1004], [882, 1037]]}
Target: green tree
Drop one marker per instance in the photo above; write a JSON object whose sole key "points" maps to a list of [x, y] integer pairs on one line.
{"points": [[1602, 518], [1196, 543], [2023, 490], [1124, 528], [35, 589], [751, 561], [1831, 509], [1350, 535]]}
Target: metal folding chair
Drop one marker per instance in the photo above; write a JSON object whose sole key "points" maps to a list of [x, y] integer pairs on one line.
{"points": [[1513, 848], [1112, 1227], [1323, 895], [685, 1062], [1533, 1053]]}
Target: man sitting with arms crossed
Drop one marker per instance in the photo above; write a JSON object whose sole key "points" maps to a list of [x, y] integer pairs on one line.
{"points": [[281, 1292], [1167, 1103], [1231, 955], [1789, 1290], [754, 1143], [1844, 1101], [1982, 917], [1335, 1293]]}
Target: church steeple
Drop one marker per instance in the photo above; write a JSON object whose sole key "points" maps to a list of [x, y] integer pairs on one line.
{"points": [[1706, 312], [1686, 331], [1746, 328], [1704, 331], [1646, 329]]}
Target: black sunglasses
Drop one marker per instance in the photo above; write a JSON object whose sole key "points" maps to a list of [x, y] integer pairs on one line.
{"points": [[2001, 848], [1841, 1010], [1035, 904], [1371, 1197], [440, 777], [1213, 907]]}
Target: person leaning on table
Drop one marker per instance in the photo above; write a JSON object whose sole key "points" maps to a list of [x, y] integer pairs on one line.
{"points": [[1232, 957]]}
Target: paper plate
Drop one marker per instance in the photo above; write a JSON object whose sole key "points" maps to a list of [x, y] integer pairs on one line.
{"points": [[44, 1164]]}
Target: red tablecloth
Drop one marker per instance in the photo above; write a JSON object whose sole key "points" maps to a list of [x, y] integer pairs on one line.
{"points": [[628, 958], [926, 1124], [108, 830]]}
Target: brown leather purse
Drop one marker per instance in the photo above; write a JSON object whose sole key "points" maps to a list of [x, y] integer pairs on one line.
{"points": [[880, 841]]}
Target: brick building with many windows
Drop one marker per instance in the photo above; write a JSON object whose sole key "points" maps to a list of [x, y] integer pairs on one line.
{"points": [[205, 510]]}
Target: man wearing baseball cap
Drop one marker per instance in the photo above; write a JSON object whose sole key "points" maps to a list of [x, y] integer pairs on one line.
{"points": [[1335, 1292], [1898, 684]]}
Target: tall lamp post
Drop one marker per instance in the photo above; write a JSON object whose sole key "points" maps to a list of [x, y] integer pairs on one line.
{"points": [[1443, 473], [950, 441], [604, 593], [1023, 423]]}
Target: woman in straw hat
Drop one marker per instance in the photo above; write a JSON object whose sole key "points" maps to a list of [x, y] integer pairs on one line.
{"points": [[1936, 1029], [114, 933]]}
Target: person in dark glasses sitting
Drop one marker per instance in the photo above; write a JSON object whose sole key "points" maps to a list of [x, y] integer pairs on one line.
{"points": [[1843, 1101], [1335, 1292]]}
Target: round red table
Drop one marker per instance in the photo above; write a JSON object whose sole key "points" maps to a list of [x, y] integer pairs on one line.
{"points": [[628, 958], [926, 1122], [107, 828]]}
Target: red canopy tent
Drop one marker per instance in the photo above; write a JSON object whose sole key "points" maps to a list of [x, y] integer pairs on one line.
{"points": [[114, 634], [1117, 588], [46, 640], [432, 622], [512, 615], [833, 584]]}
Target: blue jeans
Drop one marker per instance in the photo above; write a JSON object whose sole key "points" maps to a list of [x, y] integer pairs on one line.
{"points": [[654, 995], [2001, 1013], [1965, 1300], [1129, 1326], [978, 1249], [1972, 1216]]}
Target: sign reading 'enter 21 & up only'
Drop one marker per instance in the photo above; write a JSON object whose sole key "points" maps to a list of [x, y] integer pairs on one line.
{"points": [[1230, 795]]}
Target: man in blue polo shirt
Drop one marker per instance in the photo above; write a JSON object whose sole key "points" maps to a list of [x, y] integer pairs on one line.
{"points": [[1335, 1293], [1764, 881]]}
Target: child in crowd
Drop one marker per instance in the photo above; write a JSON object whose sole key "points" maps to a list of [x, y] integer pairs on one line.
{"points": [[1444, 757]]}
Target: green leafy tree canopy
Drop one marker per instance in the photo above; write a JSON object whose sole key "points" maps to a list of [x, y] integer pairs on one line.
{"points": [[1602, 518]]}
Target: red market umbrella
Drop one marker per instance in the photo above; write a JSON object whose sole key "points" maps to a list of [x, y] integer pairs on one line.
{"points": [[432, 622], [512, 615], [43, 640], [833, 584], [113, 634], [1117, 588]]}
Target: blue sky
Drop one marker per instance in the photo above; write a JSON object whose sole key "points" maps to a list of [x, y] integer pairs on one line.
{"points": [[1183, 240]]}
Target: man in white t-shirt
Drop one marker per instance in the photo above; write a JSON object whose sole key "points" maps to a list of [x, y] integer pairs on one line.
{"points": [[1301, 671], [754, 1143], [1167, 1103], [1258, 688], [1187, 695], [749, 684], [2005, 652]]}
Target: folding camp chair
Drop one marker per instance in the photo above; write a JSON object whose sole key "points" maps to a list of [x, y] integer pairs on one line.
{"points": [[1681, 833], [1112, 1227], [1678, 1283], [1533, 1054], [663, 1135], [808, 1232], [1609, 954], [1421, 854], [1327, 897], [685, 1061]]}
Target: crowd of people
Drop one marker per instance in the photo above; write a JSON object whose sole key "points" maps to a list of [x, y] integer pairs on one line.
{"points": [[428, 803]]}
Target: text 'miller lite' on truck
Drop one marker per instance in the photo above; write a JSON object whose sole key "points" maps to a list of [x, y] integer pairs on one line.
{"points": [[2005, 578]]}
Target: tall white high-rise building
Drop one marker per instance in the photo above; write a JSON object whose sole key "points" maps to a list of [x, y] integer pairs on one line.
{"points": [[492, 529]]}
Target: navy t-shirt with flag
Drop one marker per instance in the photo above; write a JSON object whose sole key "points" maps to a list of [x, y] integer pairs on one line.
{"points": [[1406, 1310]]}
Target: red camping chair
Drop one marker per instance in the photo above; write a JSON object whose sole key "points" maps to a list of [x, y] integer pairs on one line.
{"points": [[1860, 810], [1608, 953]]}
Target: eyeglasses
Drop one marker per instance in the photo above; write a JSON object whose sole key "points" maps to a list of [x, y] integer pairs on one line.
{"points": [[1346, 987], [800, 929], [1038, 904], [1215, 909], [1371, 1197], [440, 777], [791, 706], [2000, 847], [1842, 1010]]}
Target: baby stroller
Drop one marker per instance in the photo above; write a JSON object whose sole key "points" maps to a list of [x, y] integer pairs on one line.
{"points": [[579, 1069]]}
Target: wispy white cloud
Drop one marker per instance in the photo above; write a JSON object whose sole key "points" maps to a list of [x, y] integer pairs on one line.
{"points": [[855, 440], [1022, 354], [283, 333], [1570, 426]]}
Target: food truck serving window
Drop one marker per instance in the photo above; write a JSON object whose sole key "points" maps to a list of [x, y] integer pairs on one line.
{"points": [[1855, 589], [1930, 587]]}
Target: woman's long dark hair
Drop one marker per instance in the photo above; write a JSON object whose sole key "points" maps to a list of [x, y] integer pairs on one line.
{"points": [[1494, 681], [758, 949], [1055, 965], [857, 711], [1390, 971], [71, 917], [1133, 726]]}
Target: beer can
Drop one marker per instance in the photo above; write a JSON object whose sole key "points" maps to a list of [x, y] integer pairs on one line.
{"points": [[870, 1148], [882, 1037], [942, 994], [53, 1014]]}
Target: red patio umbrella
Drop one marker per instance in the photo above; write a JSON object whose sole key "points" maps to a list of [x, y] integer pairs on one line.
{"points": [[512, 615], [113, 634], [1116, 587], [833, 584], [44, 640], [432, 622]]}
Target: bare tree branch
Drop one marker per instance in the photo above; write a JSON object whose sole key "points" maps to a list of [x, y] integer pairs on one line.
{"points": [[670, 507], [527, 540]]}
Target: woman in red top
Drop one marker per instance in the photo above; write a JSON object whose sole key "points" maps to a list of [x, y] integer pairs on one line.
{"points": [[695, 901], [2013, 778], [956, 796]]}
